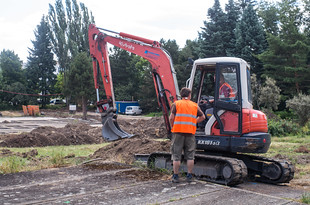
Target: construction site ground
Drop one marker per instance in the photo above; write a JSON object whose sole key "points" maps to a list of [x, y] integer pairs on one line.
{"points": [[109, 177]]}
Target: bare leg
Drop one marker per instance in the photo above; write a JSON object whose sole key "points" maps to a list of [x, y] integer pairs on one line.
{"points": [[190, 166], [176, 166]]}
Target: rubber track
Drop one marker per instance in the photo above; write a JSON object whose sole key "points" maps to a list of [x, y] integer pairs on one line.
{"points": [[239, 168], [287, 169]]}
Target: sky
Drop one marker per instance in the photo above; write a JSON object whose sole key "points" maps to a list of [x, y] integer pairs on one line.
{"points": [[174, 19]]}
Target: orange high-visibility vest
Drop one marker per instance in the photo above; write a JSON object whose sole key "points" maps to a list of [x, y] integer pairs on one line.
{"points": [[185, 117], [231, 93]]}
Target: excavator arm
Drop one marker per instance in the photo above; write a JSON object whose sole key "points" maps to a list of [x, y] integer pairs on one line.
{"points": [[164, 75]]}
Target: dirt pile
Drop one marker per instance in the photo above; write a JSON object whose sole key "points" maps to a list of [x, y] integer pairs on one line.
{"points": [[30, 154], [125, 149], [81, 133], [148, 128], [149, 137], [71, 134]]}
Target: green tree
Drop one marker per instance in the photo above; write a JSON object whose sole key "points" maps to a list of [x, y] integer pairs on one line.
{"points": [[250, 39], [41, 65], [80, 81], [184, 67], [306, 17], [214, 37], [59, 26], [255, 88], [123, 74], [59, 86], [77, 21], [233, 15], [173, 49], [13, 80], [269, 13], [286, 59], [11, 67], [69, 30], [147, 94]]}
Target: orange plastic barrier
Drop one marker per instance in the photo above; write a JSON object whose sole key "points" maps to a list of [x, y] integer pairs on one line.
{"points": [[36, 110], [25, 110], [31, 110]]}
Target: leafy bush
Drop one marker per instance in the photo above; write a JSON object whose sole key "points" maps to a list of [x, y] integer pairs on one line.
{"points": [[306, 129], [269, 94], [282, 127], [284, 114], [300, 105]]}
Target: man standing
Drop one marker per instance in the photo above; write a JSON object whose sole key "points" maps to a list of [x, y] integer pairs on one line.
{"points": [[185, 114]]}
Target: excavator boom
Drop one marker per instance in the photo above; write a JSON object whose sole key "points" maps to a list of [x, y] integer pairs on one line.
{"points": [[164, 75]]}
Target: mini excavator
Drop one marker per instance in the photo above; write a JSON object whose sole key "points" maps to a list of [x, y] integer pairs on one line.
{"points": [[232, 127]]}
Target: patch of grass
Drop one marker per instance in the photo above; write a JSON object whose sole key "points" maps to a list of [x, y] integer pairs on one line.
{"points": [[48, 157], [154, 114], [305, 198], [11, 164], [58, 158], [285, 147]]}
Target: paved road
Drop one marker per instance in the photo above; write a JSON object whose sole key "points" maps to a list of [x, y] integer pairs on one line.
{"points": [[81, 185]]}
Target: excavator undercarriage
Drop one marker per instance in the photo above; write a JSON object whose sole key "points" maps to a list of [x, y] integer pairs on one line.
{"points": [[227, 168]]}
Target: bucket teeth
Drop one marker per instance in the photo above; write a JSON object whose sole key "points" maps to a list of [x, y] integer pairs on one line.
{"points": [[110, 128]]}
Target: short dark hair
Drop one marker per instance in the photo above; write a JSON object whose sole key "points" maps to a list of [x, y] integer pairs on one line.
{"points": [[185, 92]]}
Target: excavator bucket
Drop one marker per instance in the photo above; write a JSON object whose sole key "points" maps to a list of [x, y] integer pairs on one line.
{"points": [[110, 128]]}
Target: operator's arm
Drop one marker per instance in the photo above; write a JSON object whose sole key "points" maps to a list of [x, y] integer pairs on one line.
{"points": [[200, 115], [172, 115]]}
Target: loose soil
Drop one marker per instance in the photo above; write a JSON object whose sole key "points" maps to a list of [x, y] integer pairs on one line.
{"points": [[71, 134], [150, 136]]}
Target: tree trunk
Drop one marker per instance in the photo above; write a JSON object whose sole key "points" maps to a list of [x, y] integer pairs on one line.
{"points": [[84, 107]]}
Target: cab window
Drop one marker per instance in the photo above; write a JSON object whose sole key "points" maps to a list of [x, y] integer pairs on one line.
{"points": [[228, 87]]}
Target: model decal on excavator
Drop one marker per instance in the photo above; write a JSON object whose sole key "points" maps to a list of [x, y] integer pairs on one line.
{"points": [[232, 127], [151, 55], [208, 142], [131, 47]]}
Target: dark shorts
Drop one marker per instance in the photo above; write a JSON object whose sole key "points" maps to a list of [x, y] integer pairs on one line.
{"points": [[182, 142]]}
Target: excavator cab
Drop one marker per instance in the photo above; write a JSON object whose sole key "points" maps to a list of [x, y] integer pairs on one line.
{"points": [[222, 88]]}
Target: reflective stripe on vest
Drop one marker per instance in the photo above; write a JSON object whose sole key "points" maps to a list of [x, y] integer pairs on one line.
{"points": [[185, 117]]}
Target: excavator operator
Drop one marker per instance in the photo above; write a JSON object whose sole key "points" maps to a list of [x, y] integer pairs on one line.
{"points": [[226, 90], [185, 114]]}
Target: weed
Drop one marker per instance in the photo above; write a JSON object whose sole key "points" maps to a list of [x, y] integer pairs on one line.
{"points": [[305, 198], [139, 163], [174, 199], [11, 164], [58, 159]]}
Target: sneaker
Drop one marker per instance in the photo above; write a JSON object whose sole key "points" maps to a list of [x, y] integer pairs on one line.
{"points": [[189, 177], [175, 178]]}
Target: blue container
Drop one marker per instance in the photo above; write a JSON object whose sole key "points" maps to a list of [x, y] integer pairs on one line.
{"points": [[121, 105]]}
